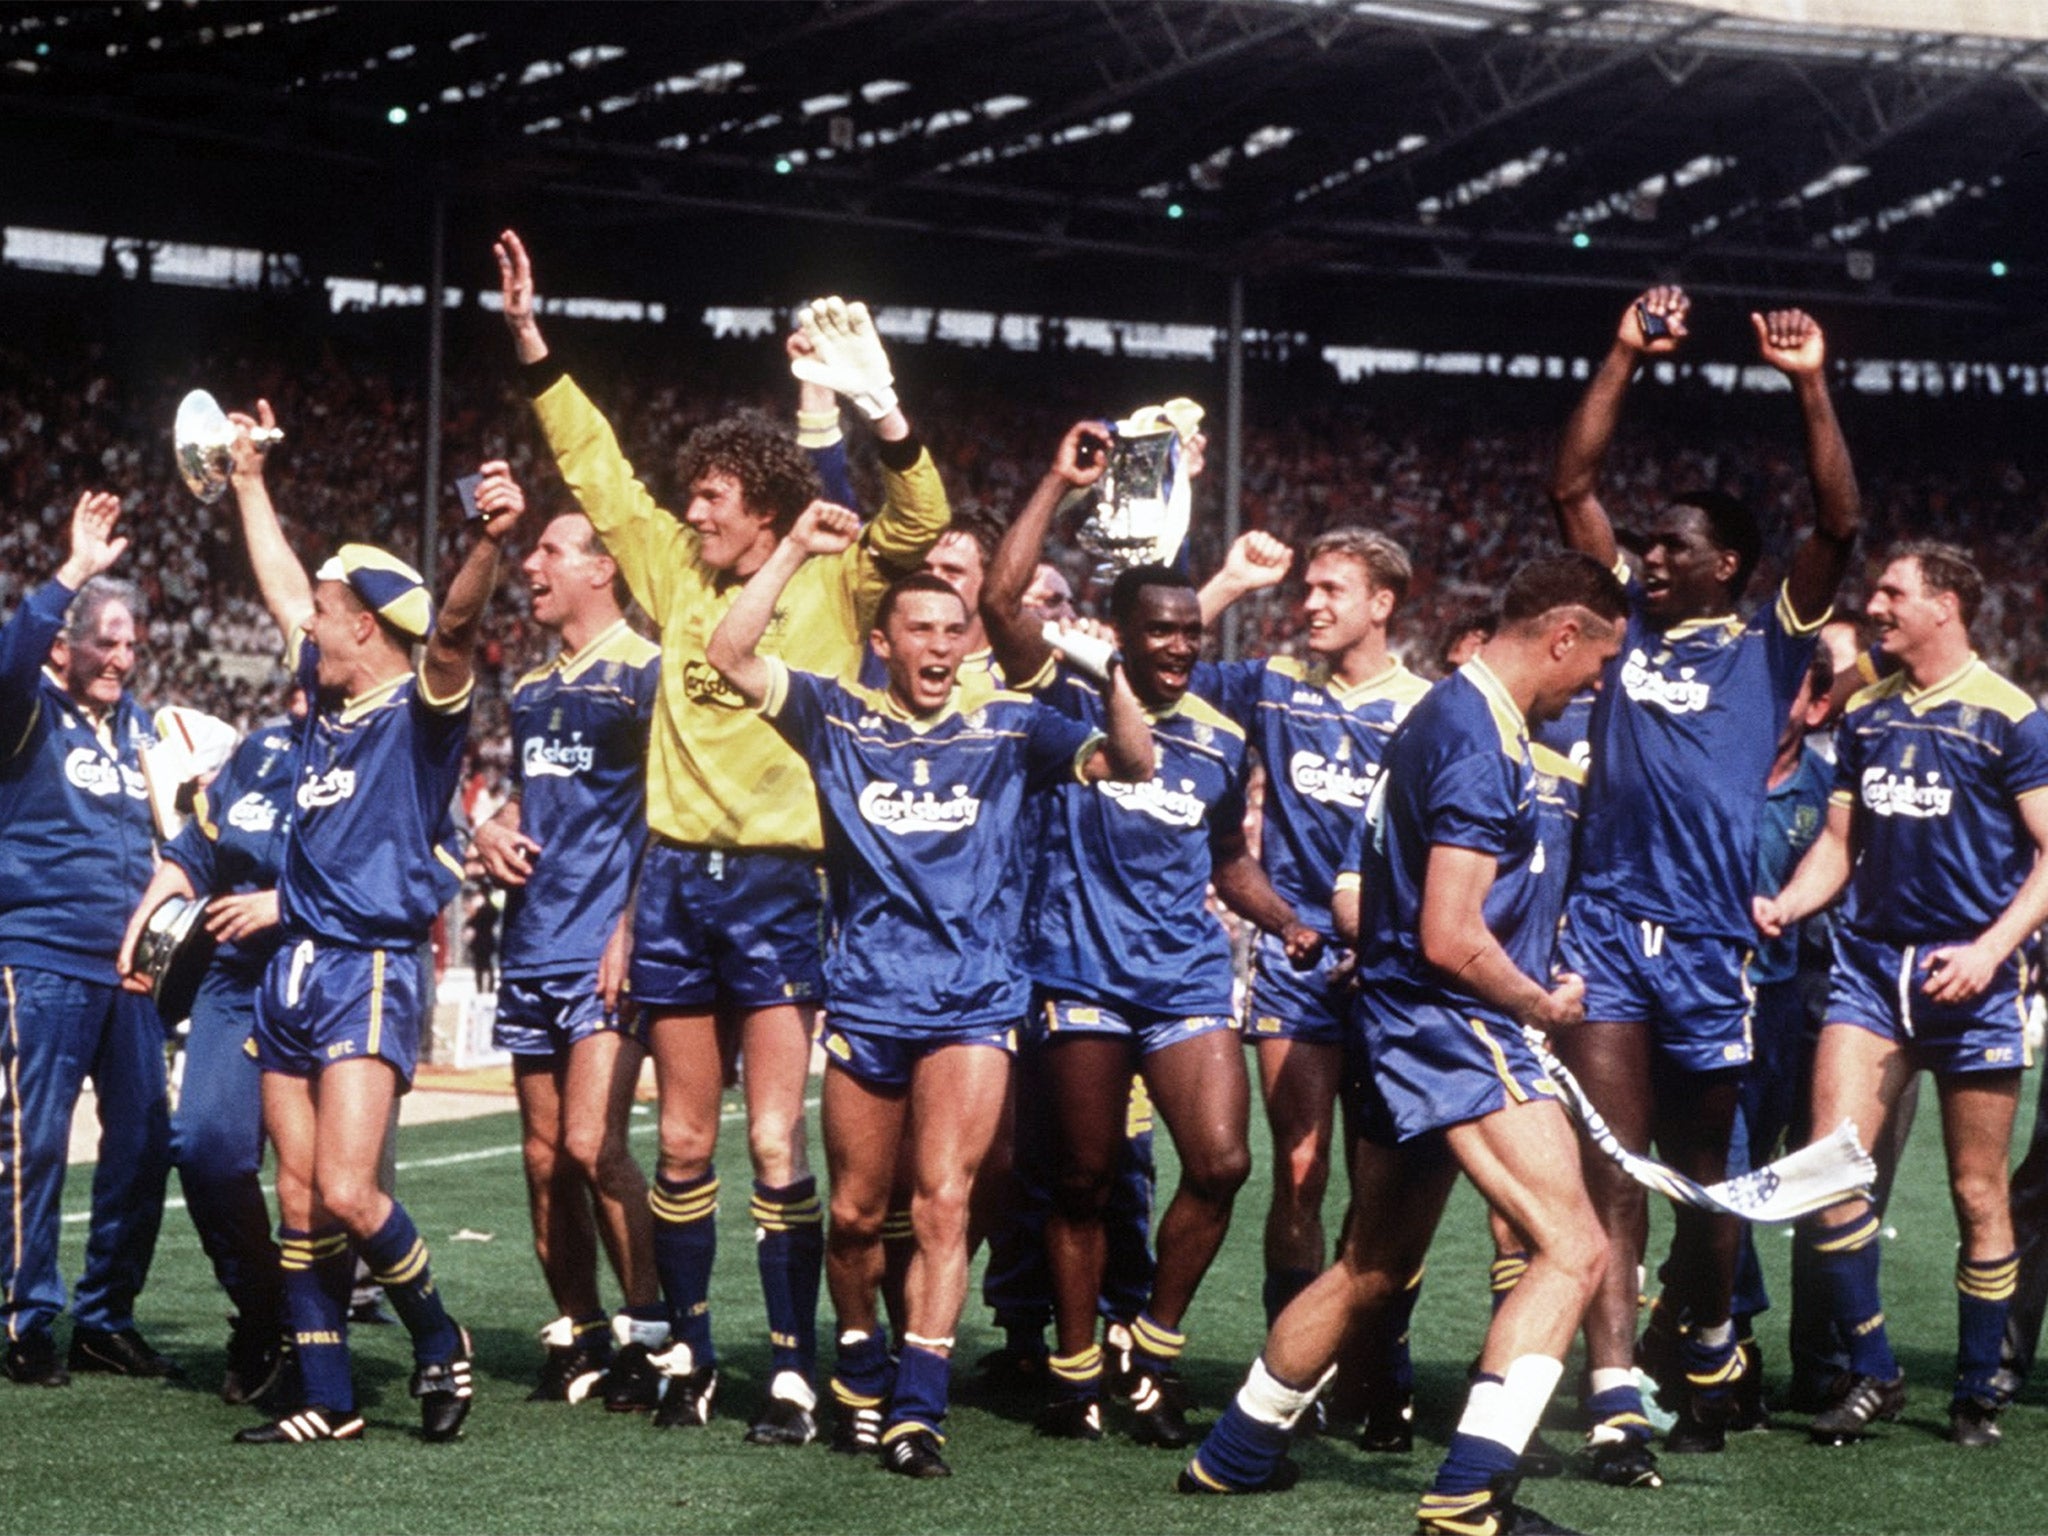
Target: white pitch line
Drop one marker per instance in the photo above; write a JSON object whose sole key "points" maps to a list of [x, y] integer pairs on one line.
{"points": [[449, 1160]]}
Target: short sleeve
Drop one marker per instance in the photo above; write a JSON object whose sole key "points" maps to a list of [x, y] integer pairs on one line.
{"points": [[194, 848], [1469, 803], [1226, 816], [2025, 765], [796, 703], [1232, 686], [1055, 745], [1788, 648], [1842, 790], [1073, 693]]}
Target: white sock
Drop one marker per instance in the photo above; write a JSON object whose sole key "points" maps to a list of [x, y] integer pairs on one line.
{"points": [[1717, 1337], [1508, 1411], [1607, 1378], [633, 1330], [1271, 1401]]}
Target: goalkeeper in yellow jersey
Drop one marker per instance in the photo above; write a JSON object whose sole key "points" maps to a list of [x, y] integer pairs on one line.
{"points": [[729, 922]]}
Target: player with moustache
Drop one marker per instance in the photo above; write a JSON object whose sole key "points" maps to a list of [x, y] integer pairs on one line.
{"points": [[231, 851], [1460, 888], [922, 786], [1132, 969], [367, 868], [565, 847], [1658, 921], [729, 912], [76, 845], [1937, 826]]}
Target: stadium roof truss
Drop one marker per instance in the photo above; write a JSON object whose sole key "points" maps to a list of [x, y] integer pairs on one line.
{"points": [[1139, 147]]}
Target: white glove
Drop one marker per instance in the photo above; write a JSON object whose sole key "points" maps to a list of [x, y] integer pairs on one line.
{"points": [[846, 355]]}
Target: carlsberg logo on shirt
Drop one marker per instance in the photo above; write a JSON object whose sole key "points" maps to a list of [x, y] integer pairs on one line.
{"points": [[253, 813], [540, 757], [1317, 777], [1889, 794], [904, 812], [1680, 695], [1176, 807], [94, 774], [329, 788]]}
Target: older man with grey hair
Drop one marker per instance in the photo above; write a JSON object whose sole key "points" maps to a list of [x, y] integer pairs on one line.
{"points": [[76, 850]]}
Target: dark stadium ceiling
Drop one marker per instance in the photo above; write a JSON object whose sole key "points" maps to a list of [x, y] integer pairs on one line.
{"points": [[1365, 166]]}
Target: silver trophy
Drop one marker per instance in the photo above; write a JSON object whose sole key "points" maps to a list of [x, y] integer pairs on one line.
{"points": [[1140, 516], [173, 951], [203, 437]]}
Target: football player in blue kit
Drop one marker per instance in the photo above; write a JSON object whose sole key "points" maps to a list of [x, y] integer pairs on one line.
{"points": [[1131, 967], [1936, 826], [366, 869], [922, 788], [565, 847], [76, 841], [1320, 727], [1461, 884], [231, 851], [1658, 919]]}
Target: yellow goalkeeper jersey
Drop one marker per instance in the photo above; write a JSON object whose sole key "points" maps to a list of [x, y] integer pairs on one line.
{"points": [[718, 776]]}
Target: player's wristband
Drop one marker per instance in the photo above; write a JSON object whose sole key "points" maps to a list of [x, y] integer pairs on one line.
{"points": [[875, 403], [817, 429]]}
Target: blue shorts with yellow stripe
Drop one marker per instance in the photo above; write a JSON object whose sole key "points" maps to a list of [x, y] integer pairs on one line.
{"points": [[1310, 1005], [1692, 990], [1058, 1018], [325, 1003], [1418, 1065], [546, 1015], [1880, 986], [743, 927], [888, 1058]]}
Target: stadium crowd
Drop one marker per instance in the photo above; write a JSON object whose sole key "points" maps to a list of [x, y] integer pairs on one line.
{"points": [[1017, 839]]}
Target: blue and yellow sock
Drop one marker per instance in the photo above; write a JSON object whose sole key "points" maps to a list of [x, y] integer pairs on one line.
{"points": [[1984, 1291], [919, 1396], [397, 1257], [1847, 1260], [1472, 1464], [1617, 1413], [1157, 1348], [789, 1248], [1076, 1377], [863, 1375], [319, 1273], [685, 1247]]}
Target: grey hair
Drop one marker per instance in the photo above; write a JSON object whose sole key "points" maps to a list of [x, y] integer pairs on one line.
{"points": [[83, 616]]}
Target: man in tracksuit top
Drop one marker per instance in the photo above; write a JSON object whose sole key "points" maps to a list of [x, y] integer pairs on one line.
{"points": [[231, 852], [75, 850]]}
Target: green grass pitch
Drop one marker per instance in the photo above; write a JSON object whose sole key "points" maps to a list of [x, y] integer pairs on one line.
{"points": [[121, 1456]]}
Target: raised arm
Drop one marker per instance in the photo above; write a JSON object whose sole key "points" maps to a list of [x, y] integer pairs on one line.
{"points": [[1017, 638], [1126, 751], [1256, 561], [450, 660], [280, 577], [821, 529], [837, 348], [515, 289], [1456, 940], [818, 430], [26, 637], [642, 538], [1582, 521], [1790, 341]]}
